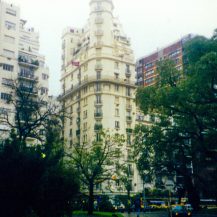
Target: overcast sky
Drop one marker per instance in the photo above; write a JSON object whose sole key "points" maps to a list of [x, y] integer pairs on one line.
{"points": [[150, 24]]}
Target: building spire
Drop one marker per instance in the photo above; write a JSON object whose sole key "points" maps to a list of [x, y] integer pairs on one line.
{"points": [[100, 1]]}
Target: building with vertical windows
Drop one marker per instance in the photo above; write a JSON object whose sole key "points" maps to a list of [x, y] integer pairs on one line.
{"points": [[146, 66], [98, 81], [20, 61]]}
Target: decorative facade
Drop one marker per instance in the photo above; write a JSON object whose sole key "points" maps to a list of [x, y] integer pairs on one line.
{"points": [[98, 81]]}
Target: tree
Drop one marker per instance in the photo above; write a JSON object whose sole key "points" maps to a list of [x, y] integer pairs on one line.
{"points": [[96, 162], [184, 130], [30, 112], [35, 179]]}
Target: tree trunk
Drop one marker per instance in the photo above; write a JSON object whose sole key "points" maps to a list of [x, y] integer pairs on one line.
{"points": [[193, 195], [128, 200], [91, 199]]}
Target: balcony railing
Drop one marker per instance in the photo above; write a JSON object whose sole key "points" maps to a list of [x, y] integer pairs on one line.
{"points": [[98, 127], [128, 73], [29, 90], [99, 8], [128, 118], [99, 32], [129, 107], [7, 82], [28, 62], [98, 103], [27, 77], [98, 44], [98, 66], [99, 20], [98, 114], [129, 130]]}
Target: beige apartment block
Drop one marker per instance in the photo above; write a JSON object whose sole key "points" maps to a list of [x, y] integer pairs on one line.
{"points": [[20, 60], [98, 82]]}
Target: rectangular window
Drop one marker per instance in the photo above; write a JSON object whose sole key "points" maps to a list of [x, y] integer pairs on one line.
{"points": [[116, 87], [117, 124], [117, 100], [44, 90], [85, 101], [70, 132], [11, 12], [9, 25], [116, 65], [98, 87], [117, 112], [85, 114], [9, 39], [128, 139], [98, 99], [127, 68], [149, 65], [128, 93], [8, 53], [8, 67], [5, 96], [85, 126], [150, 80], [98, 75], [150, 72], [98, 137], [44, 76]]}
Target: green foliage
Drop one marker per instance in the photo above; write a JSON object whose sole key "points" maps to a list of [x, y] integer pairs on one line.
{"points": [[183, 107], [97, 161], [105, 204], [34, 180]]}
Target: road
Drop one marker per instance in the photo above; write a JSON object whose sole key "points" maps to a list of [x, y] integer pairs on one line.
{"points": [[162, 214]]}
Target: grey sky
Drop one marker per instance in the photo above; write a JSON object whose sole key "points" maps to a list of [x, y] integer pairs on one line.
{"points": [[150, 24]]}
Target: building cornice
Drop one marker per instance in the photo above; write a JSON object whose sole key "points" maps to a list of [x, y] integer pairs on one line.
{"points": [[105, 79]]}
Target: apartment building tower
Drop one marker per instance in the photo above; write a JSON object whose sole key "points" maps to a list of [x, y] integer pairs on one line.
{"points": [[20, 60], [98, 80], [146, 66]]}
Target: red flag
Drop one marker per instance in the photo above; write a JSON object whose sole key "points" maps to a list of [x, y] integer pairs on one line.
{"points": [[75, 63]]}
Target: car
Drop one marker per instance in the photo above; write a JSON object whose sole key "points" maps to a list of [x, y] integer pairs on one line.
{"points": [[180, 211]]}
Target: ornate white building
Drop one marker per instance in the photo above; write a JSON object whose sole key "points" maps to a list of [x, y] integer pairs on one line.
{"points": [[98, 81], [20, 60]]}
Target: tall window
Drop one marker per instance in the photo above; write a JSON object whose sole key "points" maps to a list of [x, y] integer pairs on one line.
{"points": [[98, 87], [128, 139], [98, 99], [98, 137], [117, 124], [127, 68], [98, 75], [116, 65], [116, 87], [128, 93], [117, 112]]}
